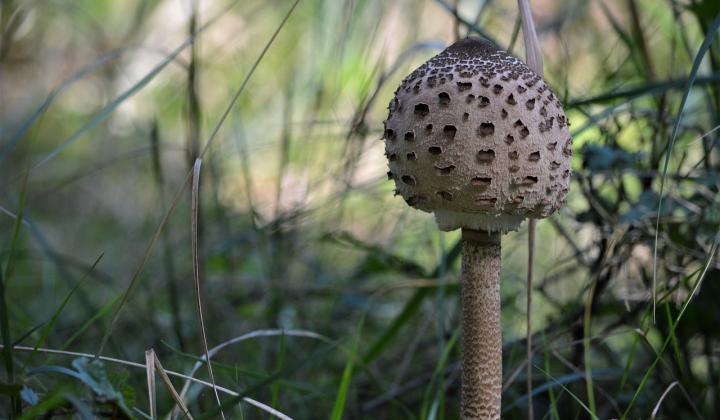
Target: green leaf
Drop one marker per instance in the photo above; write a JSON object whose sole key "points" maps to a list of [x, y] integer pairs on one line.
{"points": [[91, 372]]}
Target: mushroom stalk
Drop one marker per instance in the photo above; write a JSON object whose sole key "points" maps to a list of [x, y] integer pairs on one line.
{"points": [[481, 330]]}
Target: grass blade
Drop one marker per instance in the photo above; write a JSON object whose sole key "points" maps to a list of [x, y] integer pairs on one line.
{"points": [[436, 381], [46, 330], [167, 255], [341, 398], [412, 305], [168, 373], [6, 339], [587, 333], [146, 256], [15, 406], [150, 374], [551, 393], [166, 216], [407, 312], [101, 115], [241, 89], [97, 315], [247, 336], [275, 390], [84, 71], [691, 80], [575, 397], [195, 207], [168, 384], [674, 325], [472, 27], [52, 254], [646, 89], [242, 396]]}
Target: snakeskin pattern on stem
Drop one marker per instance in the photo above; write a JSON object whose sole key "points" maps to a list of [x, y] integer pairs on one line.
{"points": [[482, 334]]}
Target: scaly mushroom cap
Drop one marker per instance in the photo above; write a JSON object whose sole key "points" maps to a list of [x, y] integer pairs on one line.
{"points": [[479, 139]]}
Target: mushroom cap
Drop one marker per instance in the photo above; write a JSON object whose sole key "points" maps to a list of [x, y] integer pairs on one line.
{"points": [[478, 138]]}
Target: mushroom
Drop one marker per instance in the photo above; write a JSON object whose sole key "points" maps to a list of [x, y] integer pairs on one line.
{"points": [[490, 147]]}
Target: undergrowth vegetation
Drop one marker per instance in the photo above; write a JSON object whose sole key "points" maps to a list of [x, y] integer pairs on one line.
{"points": [[162, 160]]}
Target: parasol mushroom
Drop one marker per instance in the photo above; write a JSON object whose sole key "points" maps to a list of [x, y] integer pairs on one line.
{"points": [[480, 140]]}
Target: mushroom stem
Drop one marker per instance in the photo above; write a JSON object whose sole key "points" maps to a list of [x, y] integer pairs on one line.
{"points": [[482, 334]]}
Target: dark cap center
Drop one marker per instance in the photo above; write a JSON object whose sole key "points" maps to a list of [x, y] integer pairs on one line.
{"points": [[473, 46]]}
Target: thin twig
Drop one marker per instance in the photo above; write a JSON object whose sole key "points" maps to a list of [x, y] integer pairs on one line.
{"points": [[171, 388], [534, 60]]}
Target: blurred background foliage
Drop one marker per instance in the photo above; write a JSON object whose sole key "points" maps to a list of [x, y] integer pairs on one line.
{"points": [[331, 296]]}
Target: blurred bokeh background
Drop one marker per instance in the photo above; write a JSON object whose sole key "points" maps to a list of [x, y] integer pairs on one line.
{"points": [[338, 300]]}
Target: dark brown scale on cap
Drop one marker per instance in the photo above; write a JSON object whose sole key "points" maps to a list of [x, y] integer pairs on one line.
{"points": [[474, 109]]}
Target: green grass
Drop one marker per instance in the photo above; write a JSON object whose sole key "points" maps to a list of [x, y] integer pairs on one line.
{"points": [[106, 105]]}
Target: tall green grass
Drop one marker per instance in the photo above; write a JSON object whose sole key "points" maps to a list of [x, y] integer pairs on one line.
{"points": [[297, 233]]}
